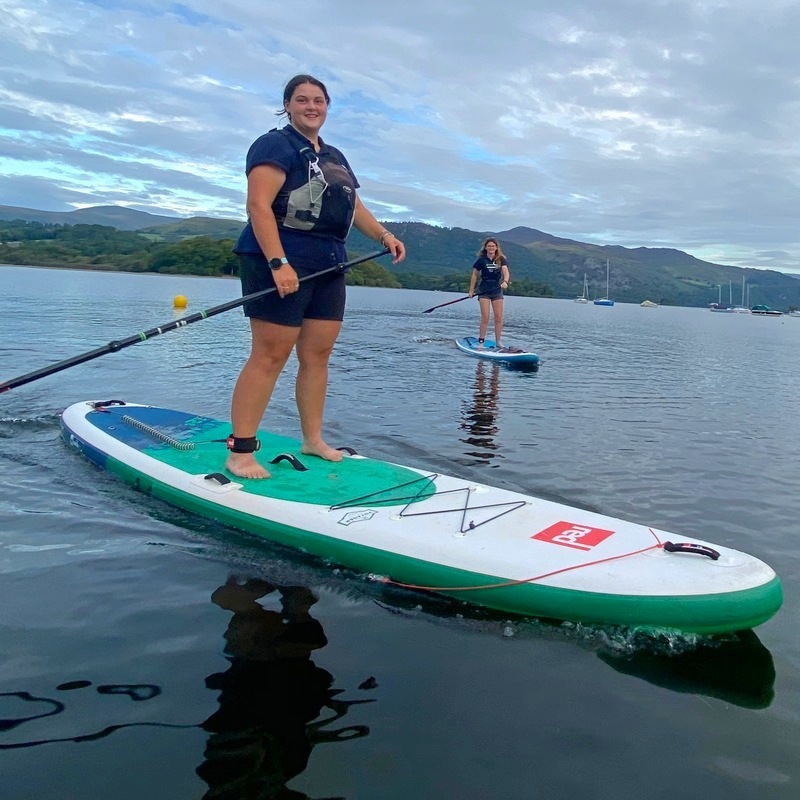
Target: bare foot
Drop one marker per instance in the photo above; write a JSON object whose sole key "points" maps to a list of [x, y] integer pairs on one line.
{"points": [[244, 465], [322, 450]]}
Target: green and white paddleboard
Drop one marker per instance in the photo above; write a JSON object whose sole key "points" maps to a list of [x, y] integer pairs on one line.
{"points": [[425, 530]]}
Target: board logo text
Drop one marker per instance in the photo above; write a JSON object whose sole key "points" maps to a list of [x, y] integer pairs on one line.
{"points": [[357, 516], [570, 534]]}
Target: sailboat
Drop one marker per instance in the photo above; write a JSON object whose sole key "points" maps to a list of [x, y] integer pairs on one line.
{"points": [[742, 309], [604, 301], [719, 306], [584, 298]]}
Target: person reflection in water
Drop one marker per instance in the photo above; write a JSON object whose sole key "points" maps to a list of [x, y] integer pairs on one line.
{"points": [[270, 696], [480, 415]]}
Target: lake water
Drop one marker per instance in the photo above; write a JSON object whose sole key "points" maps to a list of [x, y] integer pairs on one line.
{"points": [[150, 654]]}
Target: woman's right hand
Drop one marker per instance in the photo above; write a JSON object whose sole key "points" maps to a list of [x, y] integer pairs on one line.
{"points": [[286, 280]]}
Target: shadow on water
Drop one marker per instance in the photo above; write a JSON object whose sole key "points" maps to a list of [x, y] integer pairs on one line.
{"points": [[511, 366], [270, 697], [736, 668]]}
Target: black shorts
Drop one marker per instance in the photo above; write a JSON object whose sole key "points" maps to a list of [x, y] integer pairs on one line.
{"points": [[322, 297]]}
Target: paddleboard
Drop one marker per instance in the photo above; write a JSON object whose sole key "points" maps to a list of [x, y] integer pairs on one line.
{"points": [[491, 352], [424, 530]]}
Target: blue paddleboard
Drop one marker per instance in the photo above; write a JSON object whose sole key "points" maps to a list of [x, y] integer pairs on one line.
{"points": [[491, 352]]}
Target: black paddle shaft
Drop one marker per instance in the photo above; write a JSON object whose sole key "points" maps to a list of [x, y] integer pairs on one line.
{"points": [[113, 347], [442, 305]]}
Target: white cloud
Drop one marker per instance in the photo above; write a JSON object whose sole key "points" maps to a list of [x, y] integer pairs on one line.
{"points": [[667, 123]]}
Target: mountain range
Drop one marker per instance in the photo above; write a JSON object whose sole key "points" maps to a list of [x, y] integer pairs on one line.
{"points": [[663, 275]]}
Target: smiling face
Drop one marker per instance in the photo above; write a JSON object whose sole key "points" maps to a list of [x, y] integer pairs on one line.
{"points": [[307, 109], [491, 249]]}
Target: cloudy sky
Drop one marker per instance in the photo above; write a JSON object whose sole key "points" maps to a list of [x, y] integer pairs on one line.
{"points": [[658, 123]]}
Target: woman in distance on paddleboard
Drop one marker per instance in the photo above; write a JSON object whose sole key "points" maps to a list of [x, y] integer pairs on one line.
{"points": [[301, 202], [492, 270]]}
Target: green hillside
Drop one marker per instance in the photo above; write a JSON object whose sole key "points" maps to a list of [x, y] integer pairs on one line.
{"points": [[438, 258], [194, 226], [663, 275], [123, 219]]}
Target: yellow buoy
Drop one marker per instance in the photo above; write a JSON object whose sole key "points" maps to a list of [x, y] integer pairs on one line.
{"points": [[180, 301]]}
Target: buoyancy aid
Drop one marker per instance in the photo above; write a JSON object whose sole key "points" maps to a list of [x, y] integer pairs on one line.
{"points": [[325, 204]]}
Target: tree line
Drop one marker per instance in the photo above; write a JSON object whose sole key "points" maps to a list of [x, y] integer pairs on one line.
{"points": [[107, 248], [103, 247]]}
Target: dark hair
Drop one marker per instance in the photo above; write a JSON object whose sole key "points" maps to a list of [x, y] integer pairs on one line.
{"points": [[290, 87]]}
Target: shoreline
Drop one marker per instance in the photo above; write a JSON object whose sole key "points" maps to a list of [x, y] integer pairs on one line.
{"points": [[96, 268]]}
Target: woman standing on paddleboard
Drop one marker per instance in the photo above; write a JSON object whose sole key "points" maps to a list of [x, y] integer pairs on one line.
{"points": [[301, 202], [492, 269]]}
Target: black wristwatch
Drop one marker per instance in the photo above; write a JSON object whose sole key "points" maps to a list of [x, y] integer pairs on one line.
{"points": [[277, 263]]}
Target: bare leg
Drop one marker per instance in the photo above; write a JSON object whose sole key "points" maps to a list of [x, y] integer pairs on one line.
{"points": [[270, 348], [497, 312], [486, 304], [314, 347]]}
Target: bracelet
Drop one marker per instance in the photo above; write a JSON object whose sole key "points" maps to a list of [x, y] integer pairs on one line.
{"points": [[383, 235]]}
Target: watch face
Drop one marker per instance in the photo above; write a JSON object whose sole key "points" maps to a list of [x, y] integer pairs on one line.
{"points": [[277, 263]]}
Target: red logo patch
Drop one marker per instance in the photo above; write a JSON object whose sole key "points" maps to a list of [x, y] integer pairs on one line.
{"points": [[570, 534]]}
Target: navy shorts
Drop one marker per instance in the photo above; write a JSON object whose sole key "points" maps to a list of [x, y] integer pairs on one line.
{"points": [[322, 297], [492, 294]]}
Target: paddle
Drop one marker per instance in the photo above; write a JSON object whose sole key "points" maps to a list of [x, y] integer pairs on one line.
{"points": [[112, 347], [428, 310]]}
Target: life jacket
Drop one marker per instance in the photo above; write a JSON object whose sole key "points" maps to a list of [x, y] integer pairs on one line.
{"points": [[325, 204]]}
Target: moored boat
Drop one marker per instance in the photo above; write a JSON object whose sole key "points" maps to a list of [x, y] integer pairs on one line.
{"points": [[605, 301], [765, 311], [584, 297]]}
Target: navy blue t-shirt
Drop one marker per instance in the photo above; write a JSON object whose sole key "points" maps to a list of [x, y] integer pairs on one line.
{"points": [[315, 206], [491, 273]]}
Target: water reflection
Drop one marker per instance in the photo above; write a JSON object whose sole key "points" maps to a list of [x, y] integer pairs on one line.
{"points": [[739, 670], [270, 696], [43, 707], [479, 414]]}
